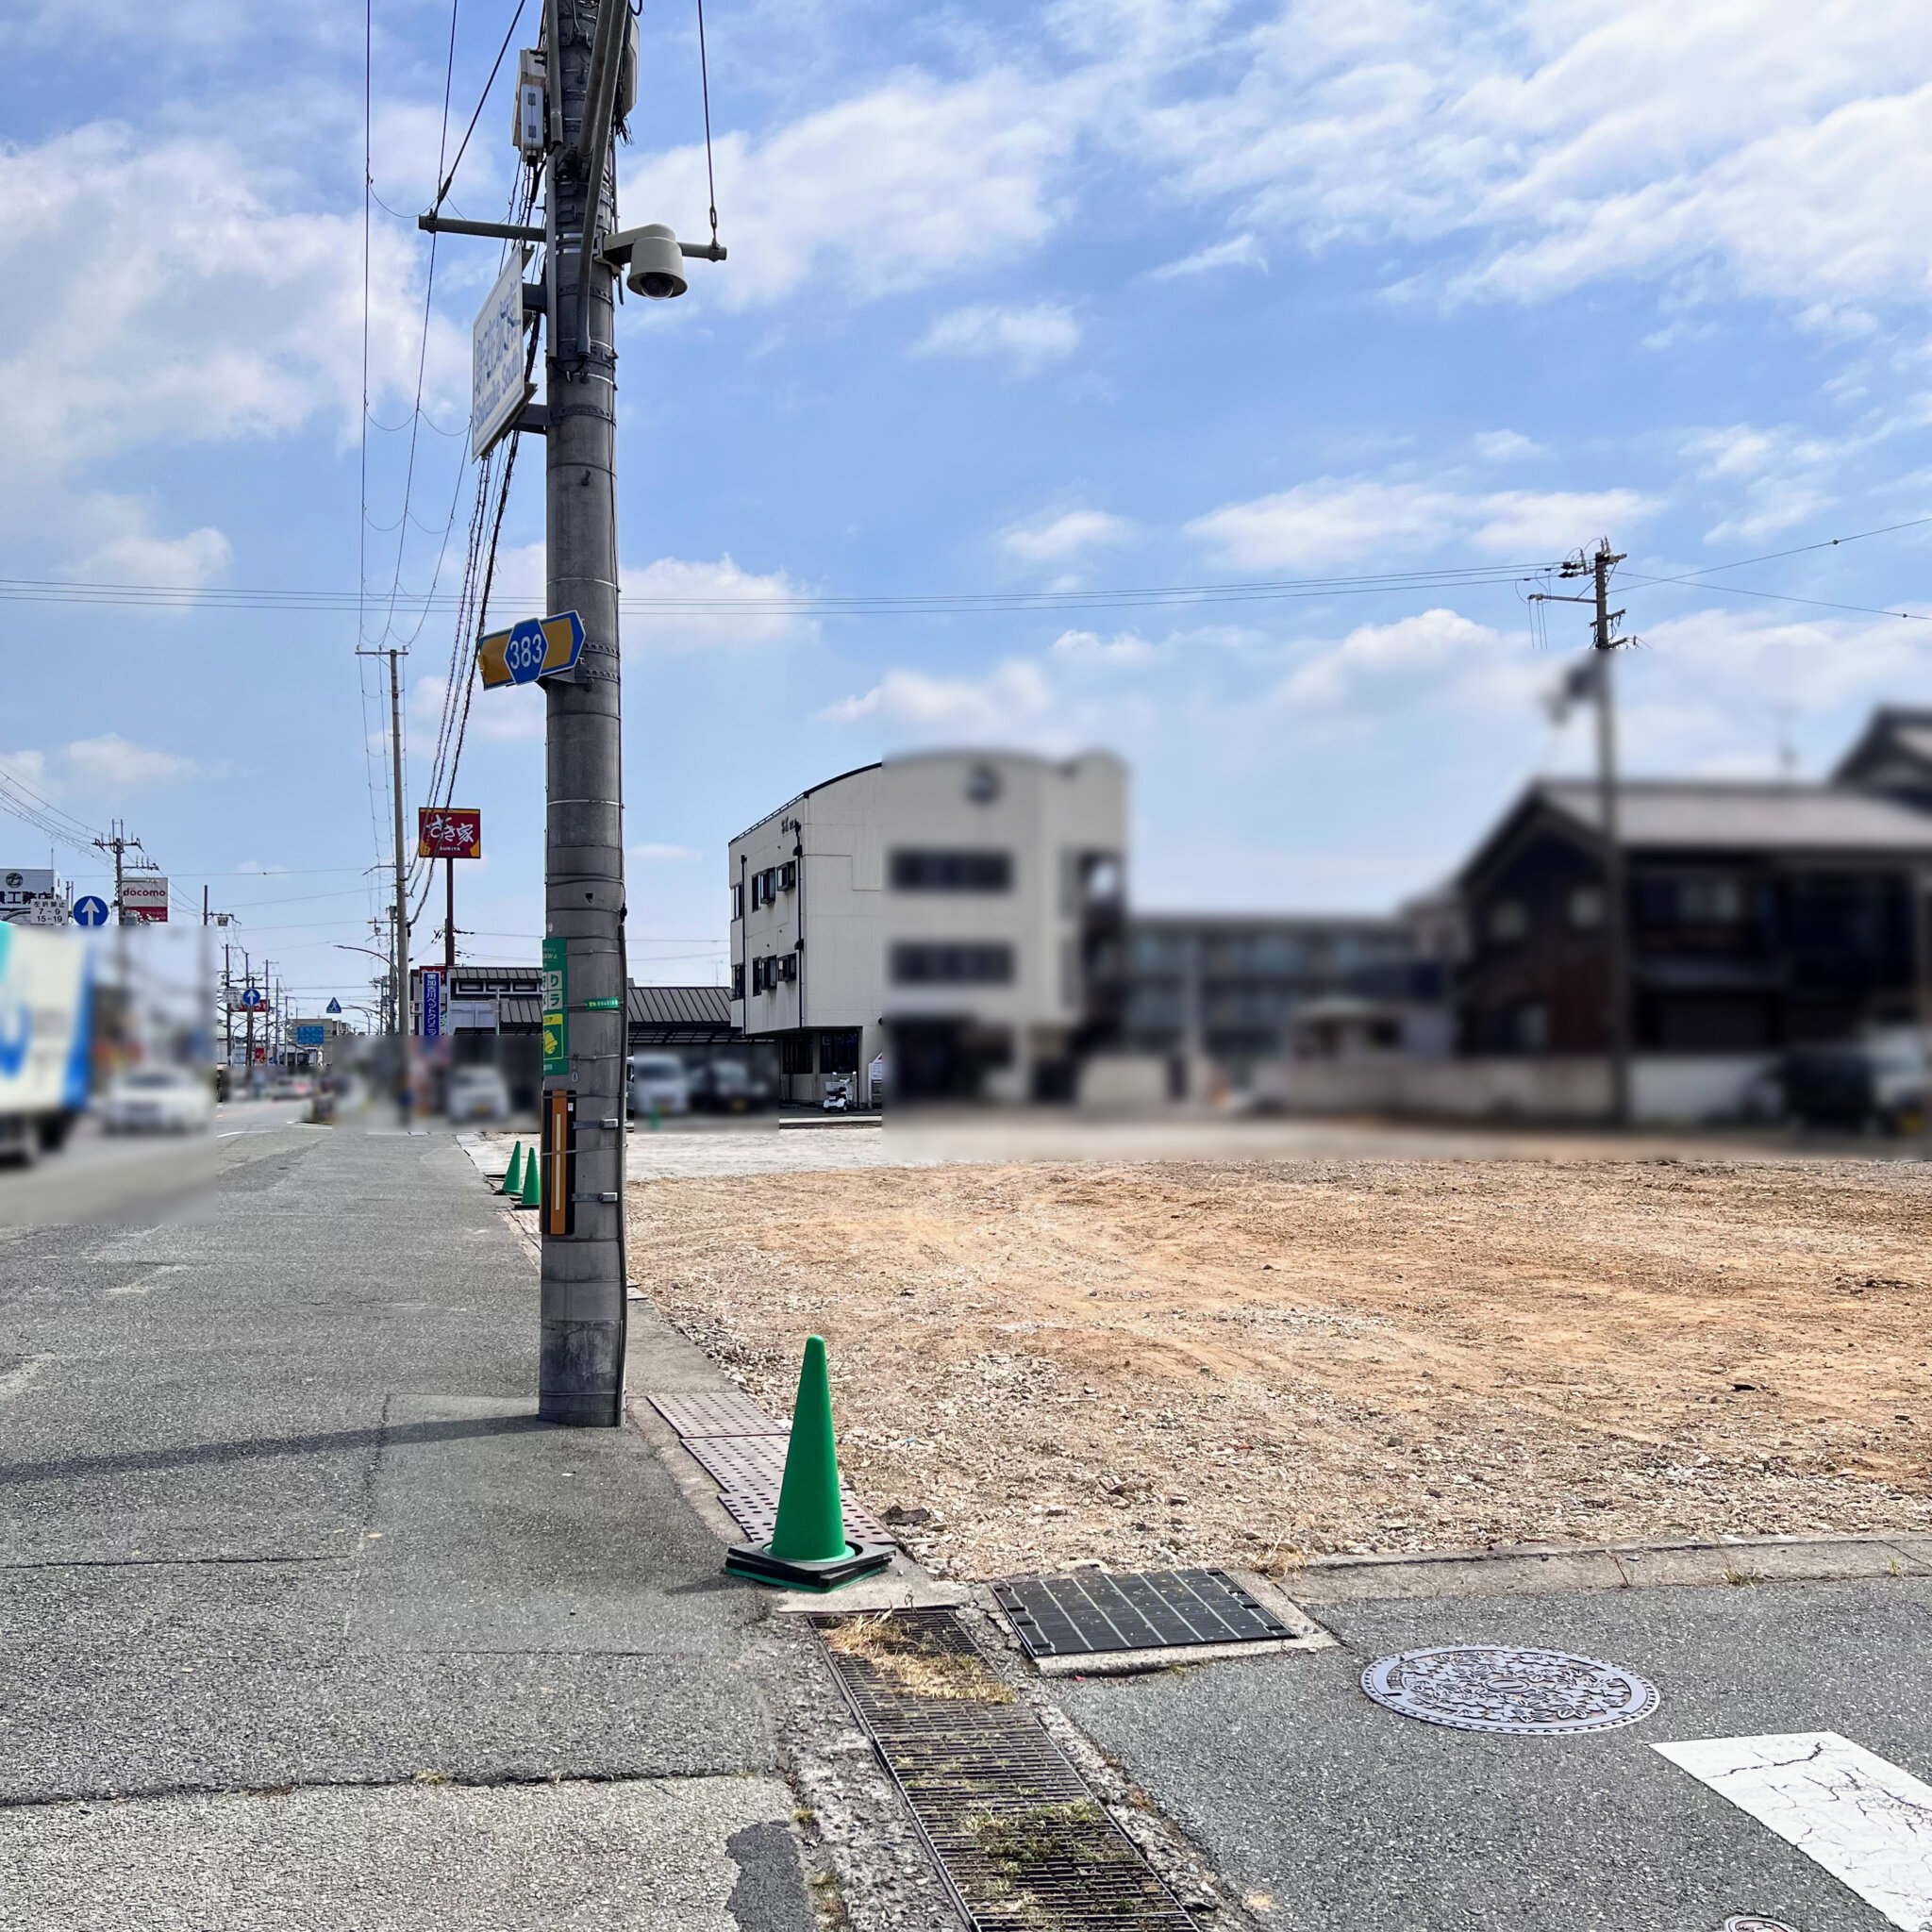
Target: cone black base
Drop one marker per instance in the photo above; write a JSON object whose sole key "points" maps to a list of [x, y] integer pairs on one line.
{"points": [[756, 1561]]}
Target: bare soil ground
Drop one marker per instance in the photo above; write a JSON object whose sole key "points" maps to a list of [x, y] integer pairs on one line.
{"points": [[1252, 1363]]}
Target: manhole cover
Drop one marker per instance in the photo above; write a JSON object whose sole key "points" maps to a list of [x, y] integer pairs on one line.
{"points": [[1484, 1687], [1749, 1922]]}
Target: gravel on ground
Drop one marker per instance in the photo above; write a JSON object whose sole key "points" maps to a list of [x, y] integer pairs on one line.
{"points": [[1252, 1363]]}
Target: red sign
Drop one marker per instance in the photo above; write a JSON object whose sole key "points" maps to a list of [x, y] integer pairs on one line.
{"points": [[448, 833]]}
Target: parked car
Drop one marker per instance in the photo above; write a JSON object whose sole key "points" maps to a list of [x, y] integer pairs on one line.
{"points": [[477, 1093], [723, 1087], [158, 1100], [1882, 1084], [289, 1087], [657, 1083]]}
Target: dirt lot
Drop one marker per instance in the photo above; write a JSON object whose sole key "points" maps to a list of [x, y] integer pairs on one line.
{"points": [[1230, 1362]]}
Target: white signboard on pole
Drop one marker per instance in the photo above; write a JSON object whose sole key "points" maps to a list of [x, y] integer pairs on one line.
{"points": [[143, 899], [497, 389]]}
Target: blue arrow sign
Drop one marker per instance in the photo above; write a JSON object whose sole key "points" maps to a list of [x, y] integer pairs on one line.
{"points": [[90, 911], [252, 997], [333, 1007]]}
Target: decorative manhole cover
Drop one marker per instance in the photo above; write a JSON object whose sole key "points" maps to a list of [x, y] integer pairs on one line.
{"points": [[1749, 1922], [1486, 1687]]}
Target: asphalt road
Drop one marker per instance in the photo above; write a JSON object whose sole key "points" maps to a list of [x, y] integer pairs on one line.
{"points": [[304, 1619], [1332, 1814], [99, 1177]]}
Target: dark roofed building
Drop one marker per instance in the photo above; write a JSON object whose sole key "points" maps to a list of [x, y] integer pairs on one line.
{"points": [[659, 1015], [1761, 915]]}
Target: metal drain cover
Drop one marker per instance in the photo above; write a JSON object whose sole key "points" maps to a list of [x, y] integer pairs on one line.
{"points": [[1527, 1693], [1090, 1613], [1749, 1922]]}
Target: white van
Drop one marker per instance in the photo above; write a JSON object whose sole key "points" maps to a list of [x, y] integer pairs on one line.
{"points": [[657, 1084]]}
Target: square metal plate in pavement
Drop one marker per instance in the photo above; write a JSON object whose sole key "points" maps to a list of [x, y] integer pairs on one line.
{"points": [[1089, 1613]]}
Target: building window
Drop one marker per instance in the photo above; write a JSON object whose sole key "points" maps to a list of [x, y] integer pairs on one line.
{"points": [[795, 1053], [738, 979], [738, 902], [1586, 907], [838, 1050], [1508, 920], [788, 876], [952, 872], [767, 973], [952, 965], [767, 885], [1530, 1026], [1710, 902]]}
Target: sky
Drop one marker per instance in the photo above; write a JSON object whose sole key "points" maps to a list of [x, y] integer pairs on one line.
{"points": [[1065, 300]]}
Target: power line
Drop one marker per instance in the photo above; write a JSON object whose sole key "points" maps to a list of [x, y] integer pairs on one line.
{"points": [[1784, 597], [481, 103], [167, 596]]}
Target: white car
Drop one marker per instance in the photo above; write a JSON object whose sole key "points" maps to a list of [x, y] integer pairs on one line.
{"points": [[657, 1084], [158, 1100], [477, 1093]]}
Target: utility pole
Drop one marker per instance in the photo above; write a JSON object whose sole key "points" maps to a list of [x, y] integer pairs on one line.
{"points": [[580, 1359], [1616, 913], [1597, 685], [581, 1350]]}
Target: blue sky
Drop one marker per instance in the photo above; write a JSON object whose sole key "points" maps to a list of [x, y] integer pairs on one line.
{"points": [[1110, 293]]}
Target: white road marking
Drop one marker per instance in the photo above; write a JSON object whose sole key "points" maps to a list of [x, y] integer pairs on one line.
{"points": [[1865, 1821]]}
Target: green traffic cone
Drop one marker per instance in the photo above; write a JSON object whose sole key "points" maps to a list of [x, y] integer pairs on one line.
{"points": [[513, 1174], [809, 1548], [532, 1196]]}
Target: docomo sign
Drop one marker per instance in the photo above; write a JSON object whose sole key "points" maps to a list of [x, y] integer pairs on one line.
{"points": [[144, 899], [448, 832]]}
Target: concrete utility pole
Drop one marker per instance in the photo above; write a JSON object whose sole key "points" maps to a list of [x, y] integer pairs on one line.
{"points": [[580, 1372], [1616, 913], [402, 913]]}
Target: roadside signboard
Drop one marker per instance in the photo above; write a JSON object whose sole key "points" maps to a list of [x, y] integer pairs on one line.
{"points": [[311, 1033], [556, 1010], [144, 899], [20, 884], [497, 389], [448, 832], [432, 1003], [90, 911], [537, 647]]}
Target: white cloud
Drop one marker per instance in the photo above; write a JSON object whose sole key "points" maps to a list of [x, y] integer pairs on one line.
{"points": [[1783, 476], [652, 853], [1432, 645], [1089, 647], [675, 603], [1240, 251], [111, 761], [908, 184], [184, 297], [1506, 446], [1340, 520], [515, 714], [1010, 702], [1029, 337], [1064, 535], [134, 555]]}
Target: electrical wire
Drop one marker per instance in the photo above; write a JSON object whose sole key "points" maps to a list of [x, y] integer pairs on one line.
{"points": [[705, 86], [1782, 597], [481, 103]]}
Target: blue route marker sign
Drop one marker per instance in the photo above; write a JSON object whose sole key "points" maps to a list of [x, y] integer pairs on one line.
{"points": [[90, 911]]}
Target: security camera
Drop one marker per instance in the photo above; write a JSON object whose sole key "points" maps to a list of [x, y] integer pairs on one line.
{"points": [[656, 264]]}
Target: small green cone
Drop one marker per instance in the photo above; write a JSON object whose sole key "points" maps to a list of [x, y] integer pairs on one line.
{"points": [[809, 1549], [532, 1196], [513, 1174], [811, 1522]]}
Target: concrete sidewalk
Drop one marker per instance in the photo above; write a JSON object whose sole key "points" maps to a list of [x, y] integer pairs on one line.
{"points": [[304, 1619]]}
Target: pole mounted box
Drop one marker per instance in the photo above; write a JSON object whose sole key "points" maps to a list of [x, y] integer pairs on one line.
{"points": [[530, 122]]}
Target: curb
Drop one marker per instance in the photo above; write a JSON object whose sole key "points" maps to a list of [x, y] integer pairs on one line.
{"points": [[1523, 1568]]}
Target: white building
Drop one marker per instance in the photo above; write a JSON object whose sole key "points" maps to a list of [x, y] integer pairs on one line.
{"points": [[967, 905]]}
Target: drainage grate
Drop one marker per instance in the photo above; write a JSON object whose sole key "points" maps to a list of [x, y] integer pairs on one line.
{"points": [[1019, 1839], [725, 1414], [1526, 1693], [1089, 1614]]}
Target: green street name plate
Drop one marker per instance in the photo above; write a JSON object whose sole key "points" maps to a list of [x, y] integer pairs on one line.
{"points": [[556, 1021]]}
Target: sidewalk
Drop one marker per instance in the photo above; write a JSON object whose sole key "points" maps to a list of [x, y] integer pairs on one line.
{"points": [[306, 1620]]}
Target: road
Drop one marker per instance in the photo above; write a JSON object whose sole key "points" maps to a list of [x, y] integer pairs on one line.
{"points": [[305, 1619], [114, 1177]]}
